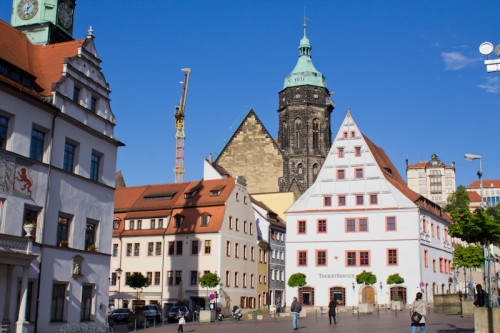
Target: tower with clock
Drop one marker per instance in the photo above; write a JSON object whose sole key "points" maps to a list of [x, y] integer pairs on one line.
{"points": [[304, 134], [44, 21]]}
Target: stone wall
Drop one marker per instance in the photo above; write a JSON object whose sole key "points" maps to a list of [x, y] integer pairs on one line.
{"points": [[251, 153], [447, 303]]}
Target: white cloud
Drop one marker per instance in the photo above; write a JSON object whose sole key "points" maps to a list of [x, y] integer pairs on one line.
{"points": [[456, 60], [492, 85]]}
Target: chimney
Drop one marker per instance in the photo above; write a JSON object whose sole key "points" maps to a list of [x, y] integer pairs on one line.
{"points": [[210, 157], [453, 164]]}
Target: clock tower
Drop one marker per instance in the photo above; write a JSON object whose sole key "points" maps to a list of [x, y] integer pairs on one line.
{"points": [[44, 21], [304, 133]]}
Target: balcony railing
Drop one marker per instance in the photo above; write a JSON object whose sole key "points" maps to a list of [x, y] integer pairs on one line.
{"points": [[13, 243]]}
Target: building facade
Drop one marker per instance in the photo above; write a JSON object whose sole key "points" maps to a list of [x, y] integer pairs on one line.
{"points": [[360, 215], [432, 179], [175, 233], [491, 191], [58, 167], [304, 134]]}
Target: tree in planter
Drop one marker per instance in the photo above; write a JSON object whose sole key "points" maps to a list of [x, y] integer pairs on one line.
{"points": [[367, 279], [297, 280], [468, 257], [209, 280], [137, 281]]}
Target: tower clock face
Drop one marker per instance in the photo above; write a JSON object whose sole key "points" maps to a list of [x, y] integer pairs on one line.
{"points": [[65, 15], [26, 9]]}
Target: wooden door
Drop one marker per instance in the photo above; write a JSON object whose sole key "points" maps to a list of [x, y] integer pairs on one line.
{"points": [[367, 295]]}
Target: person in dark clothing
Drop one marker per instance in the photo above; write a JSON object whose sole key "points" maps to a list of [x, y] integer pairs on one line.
{"points": [[480, 296], [333, 311], [295, 309]]}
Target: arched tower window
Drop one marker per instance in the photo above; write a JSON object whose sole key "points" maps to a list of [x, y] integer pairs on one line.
{"points": [[315, 171], [285, 135], [315, 134], [299, 169], [298, 132]]}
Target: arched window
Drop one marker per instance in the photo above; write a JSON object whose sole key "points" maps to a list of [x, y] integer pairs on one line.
{"points": [[315, 171], [284, 141], [338, 294], [398, 294], [298, 132], [315, 134], [306, 296], [299, 169]]}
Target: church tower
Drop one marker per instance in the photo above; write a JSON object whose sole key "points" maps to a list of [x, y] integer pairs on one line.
{"points": [[304, 134], [44, 21]]}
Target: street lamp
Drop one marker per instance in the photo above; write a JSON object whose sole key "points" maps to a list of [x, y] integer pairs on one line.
{"points": [[472, 157], [118, 272]]}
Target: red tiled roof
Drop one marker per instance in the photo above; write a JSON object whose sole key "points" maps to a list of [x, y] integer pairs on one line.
{"points": [[417, 165], [45, 62], [474, 197], [486, 183]]}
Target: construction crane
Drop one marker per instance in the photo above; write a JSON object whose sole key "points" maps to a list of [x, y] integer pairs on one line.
{"points": [[180, 137]]}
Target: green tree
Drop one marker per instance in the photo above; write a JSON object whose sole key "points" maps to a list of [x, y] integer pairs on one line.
{"points": [[209, 280], [458, 199], [367, 278], [297, 280], [137, 281], [468, 257], [480, 226], [395, 279]]}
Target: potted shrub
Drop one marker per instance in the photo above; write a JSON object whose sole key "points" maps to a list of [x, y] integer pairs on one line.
{"points": [[396, 301], [63, 243], [366, 279], [92, 248], [29, 227]]}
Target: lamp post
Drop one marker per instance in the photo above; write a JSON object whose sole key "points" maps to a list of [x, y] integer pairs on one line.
{"points": [[472, 157], [118, 272]]}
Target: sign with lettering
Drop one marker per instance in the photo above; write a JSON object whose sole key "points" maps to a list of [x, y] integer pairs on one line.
{"points": [[337, 276]]}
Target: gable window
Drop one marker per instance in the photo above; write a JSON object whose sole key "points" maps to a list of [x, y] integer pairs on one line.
{"points": [[152, 223], [251, 228], [116, 224], [204, 220], [93, 104], [76, 94], [160, 223], [359, 200], [392, 257], [37, 141], [178, 220], [131, 225], [357, 151], [320, 257], [95, 162], [341, 174], [353, 134], [189, 195], [321, 226], [359, 173], [373, 199], [341, 200], [327, 201], [302, 258], [344, 135], [301, 227], [340, 152], [139, 224], [4, 122], [390, 223], [245, 227]]}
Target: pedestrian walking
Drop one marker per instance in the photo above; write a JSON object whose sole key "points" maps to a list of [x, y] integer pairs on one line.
{"points": [[332, 312], [295, 308], [182, 321], [418, 314]]}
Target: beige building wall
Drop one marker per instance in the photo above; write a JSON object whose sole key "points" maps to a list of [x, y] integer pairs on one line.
{"points": [[432, 179], [279, 202], [253, 154]]}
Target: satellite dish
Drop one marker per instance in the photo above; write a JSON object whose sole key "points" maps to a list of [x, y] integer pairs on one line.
{"points": [[497, 50], [486, 48]]}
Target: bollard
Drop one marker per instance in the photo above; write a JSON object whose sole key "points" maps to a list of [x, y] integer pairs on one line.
{"points": [[338, 315], [316, 314], [154, 322], [275, 316], [353, 311], [358, 313], [396, 313], [378, 311], [145, 323], [135, 325]]}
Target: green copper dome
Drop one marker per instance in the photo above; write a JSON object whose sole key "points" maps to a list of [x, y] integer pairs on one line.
{"points": [[304, 72]]}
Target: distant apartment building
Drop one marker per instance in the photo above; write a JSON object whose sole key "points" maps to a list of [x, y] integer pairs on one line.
{"points": [[491, 191], [432, 179], [175, 233]]}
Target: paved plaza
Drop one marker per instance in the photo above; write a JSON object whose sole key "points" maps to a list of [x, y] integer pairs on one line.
{"points": [[385, 322]]}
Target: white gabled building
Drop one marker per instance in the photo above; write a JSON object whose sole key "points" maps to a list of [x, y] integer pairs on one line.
{"points": [[360, 215]]}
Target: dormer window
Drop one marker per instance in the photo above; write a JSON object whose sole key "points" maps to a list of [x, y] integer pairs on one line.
{"points": [[116, 224], [204, 220], [76, 94], [178, 220], [93, 104], [215, 193], [159, 196], [189, 195]]}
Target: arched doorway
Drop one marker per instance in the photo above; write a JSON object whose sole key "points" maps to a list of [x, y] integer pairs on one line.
{"points": [[367, 295], [338, 294], [306, 296], [398, 292]]}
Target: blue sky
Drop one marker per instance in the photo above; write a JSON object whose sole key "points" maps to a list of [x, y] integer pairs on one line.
{"points": [[410, 71]]}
